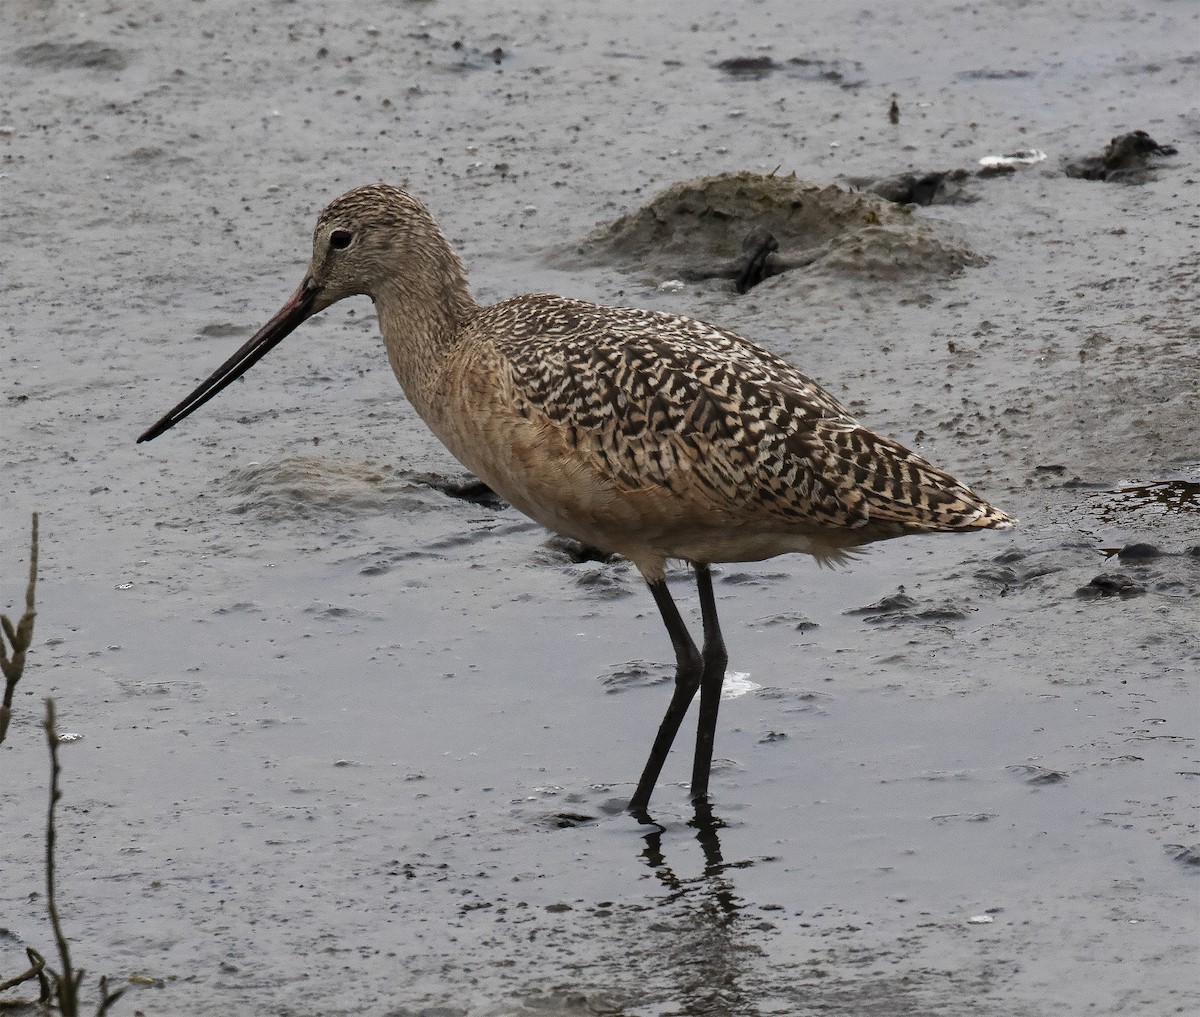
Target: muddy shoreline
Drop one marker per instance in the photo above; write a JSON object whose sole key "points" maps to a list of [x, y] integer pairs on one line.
{"points": [[353, 746]]}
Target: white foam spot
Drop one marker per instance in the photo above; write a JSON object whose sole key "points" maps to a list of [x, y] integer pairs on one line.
{"points": [[738, 683]]}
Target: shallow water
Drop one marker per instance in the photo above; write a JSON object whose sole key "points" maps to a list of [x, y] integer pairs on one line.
{"points": [[351, 745]]}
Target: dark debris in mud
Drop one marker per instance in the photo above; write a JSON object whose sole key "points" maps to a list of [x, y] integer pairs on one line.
{"points": [[1125, 159], [943, 186]]}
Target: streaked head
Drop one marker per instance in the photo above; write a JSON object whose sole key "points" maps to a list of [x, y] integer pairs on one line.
{"points": [[363, 237], [363, 242]]}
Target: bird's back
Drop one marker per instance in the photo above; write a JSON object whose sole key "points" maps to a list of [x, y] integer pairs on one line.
{"points": [[700, 427]]}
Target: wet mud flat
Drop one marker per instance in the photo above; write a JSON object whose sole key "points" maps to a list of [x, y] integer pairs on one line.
{"points": [[354, 745]]}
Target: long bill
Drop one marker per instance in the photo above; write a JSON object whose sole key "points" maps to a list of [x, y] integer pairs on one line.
{"points": [[300, 306]]}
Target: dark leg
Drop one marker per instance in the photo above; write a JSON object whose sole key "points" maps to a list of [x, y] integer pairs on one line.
{"points": [[688, 670], [713, 676]]}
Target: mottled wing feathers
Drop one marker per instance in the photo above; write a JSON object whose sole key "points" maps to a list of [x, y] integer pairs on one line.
{"points": [[891, 488], [658, 400]]}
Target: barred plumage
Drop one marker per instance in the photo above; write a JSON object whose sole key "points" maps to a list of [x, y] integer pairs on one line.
{"points": [[651, 435]]}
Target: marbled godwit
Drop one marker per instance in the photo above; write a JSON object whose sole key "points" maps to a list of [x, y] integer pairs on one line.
{"points": [[650, 435]]}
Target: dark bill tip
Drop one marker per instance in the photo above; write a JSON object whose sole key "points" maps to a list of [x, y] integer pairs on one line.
{"points": [[298, 307]]}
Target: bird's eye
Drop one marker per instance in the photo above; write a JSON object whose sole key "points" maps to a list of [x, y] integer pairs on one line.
{"points": [[340, 239]]}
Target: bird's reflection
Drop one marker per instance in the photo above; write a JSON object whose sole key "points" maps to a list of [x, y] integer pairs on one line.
{"points": [[710, 943]]}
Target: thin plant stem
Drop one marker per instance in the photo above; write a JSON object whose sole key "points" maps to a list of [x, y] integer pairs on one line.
{"points": [[19, 635], [37, 965], [68, 980]]}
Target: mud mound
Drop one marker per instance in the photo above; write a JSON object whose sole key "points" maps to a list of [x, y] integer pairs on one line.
{"points": [[747, 227], [309, 487]]}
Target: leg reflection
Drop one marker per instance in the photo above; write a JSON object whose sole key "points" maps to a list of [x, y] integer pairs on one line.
{"points": [[710, 943]]}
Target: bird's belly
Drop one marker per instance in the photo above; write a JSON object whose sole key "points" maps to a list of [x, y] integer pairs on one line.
{"points": [[532, 466]]}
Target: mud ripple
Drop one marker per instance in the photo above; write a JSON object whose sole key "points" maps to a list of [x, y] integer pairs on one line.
{"points": [[634, 674], [1037, 776], [900, 607]]}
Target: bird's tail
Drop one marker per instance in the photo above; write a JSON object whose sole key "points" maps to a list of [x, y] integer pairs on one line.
{"points": [[893, 488]]}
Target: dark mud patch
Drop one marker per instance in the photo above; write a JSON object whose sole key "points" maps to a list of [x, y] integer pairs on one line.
{"points": [[933, 187], [62, 56], [753, 578], [793, 619], [466, 488], [757, 68], [563, 552], [716, 228], [1110, 584], [1125, 159], [1175, 575], [1157, 497], [900, 607], [995, 74], [1016, 569], [1140, 551], [578, 552], [603, 583]]}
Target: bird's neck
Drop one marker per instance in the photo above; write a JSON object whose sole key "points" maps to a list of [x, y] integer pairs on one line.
{"points": [[420, 316]]}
